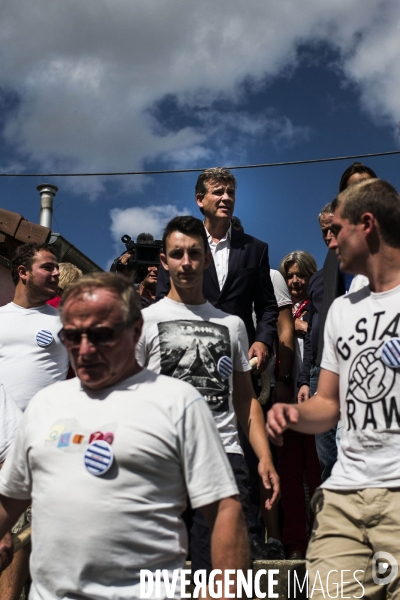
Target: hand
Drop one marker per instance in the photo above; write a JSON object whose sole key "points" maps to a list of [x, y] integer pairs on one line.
{"points": [[260, 351], [279, 418], [304, 393], [6, 551], [124, 258], [271, 483], [282, 393], [300, 326]]}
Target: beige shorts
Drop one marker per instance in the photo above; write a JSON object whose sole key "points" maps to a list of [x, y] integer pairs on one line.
{"points": [[350, 528]]}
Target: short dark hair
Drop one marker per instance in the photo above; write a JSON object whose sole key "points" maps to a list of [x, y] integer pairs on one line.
{"points": [[187, 225], [356, 167], [214, 174], [377, 197], [113, 282], [145, 238], [25, 255]]}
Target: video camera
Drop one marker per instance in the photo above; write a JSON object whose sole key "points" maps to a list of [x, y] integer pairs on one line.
{"points": [[144, 253]]}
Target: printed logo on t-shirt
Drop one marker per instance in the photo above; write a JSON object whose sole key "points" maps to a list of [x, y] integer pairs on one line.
{"points": [[191, 351], [69, 435], [372, 398]]}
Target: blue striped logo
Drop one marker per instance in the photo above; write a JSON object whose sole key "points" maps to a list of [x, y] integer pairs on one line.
{"points": [[98, 457], [225, 367], [44, 337], [391, 353]]}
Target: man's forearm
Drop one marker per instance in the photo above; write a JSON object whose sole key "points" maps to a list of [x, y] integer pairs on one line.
{"points": [[286, 341], [316, 415], [250, 415], [256, 432]]}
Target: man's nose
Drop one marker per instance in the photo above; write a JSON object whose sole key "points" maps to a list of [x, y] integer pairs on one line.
{"points": [[227, 196], [186, 259], [332, 243], [85, 346]]}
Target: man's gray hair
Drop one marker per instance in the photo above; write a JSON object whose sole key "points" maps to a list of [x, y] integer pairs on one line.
{"points": [[117, 284], [325, 210]]}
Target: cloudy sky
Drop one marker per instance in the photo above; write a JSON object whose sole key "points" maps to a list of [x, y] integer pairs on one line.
{"points": [[128, 85]]}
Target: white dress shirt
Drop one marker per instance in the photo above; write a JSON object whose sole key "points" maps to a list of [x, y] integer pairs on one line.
{"points": [[220, 252]]}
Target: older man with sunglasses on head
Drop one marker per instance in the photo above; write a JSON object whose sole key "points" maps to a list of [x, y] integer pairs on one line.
{"points": [[109, 458]]}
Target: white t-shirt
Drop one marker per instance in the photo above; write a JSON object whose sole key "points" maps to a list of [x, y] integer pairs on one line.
{"points": [[31, 355], [91, 535], [357, 326], [282, 297], [174, 343], [10, 416]]}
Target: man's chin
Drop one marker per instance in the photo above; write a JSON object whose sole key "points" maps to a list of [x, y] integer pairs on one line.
{"points": [[91, 376]]}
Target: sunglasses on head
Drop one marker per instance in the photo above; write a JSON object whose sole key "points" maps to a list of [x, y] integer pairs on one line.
{"points": [[98, 336]]}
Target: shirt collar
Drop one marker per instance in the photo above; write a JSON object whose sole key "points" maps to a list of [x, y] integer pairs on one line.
{"points": [[227, 236]]}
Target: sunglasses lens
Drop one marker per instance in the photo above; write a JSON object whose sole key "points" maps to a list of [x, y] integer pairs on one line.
{"points": [[100, 335], [71, 337], [97, 336]]}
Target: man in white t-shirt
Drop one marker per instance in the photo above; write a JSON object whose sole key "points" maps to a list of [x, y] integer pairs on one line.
{"points": [[356, 535], [31, 357], [187, 338], [109, 459]]}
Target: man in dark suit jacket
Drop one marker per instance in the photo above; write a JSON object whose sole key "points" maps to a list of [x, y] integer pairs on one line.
{"points": [[238, 278]]}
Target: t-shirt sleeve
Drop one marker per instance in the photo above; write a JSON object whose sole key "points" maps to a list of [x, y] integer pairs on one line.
{"points": [[329, 357], [241, 350], [280, 289], [207, 472], [140, 351], [15, 476]]}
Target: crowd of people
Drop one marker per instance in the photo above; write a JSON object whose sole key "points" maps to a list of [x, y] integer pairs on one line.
{"points": [[140, 419]]}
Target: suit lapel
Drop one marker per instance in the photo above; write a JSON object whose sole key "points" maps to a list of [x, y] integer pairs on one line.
{"points": [[210, 274], [234, 256]]}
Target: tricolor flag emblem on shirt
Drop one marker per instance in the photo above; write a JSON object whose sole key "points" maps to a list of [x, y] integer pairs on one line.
{"points": [[44, 337], [225, 367], [391, 353], [98, 457]]}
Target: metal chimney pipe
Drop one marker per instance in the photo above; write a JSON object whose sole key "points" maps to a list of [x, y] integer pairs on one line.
{"points": [[47, 192]]}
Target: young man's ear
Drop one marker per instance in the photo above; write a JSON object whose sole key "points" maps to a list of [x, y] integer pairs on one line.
{"points": [[369, 222], [22, 272], [163, 260]]}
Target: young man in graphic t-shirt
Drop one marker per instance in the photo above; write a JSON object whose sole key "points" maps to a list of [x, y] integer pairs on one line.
{"points": [[185, 337], [357, 530]]}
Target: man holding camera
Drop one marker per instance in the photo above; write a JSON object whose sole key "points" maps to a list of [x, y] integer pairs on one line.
{"points": [[135, 263]]}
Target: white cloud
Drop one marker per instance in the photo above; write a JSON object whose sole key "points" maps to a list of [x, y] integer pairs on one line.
{"points": [[88, 75], [135, 220]]}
